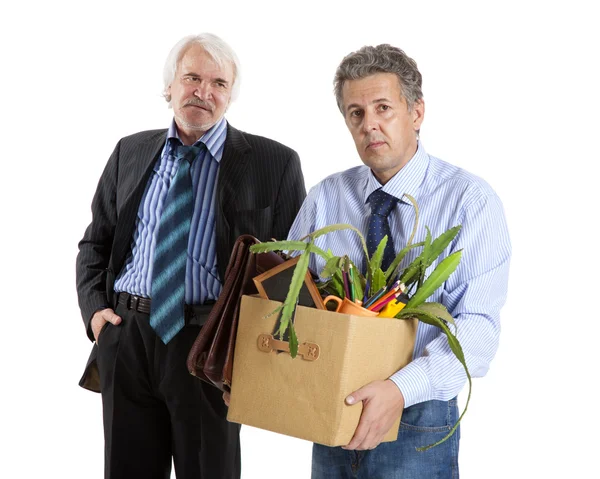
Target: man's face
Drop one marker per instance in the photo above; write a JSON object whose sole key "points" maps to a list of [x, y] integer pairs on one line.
{"points": [[384, 131], [200, 92]]}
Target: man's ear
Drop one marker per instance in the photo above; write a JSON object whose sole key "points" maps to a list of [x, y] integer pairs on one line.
{"points": [[418, 113]]}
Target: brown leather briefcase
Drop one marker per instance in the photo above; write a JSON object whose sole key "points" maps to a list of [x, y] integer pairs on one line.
{"points": [[211, 356]]}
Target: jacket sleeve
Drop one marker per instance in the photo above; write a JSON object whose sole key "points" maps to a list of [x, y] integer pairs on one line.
{"points": [[290, 196], [96, 245]]}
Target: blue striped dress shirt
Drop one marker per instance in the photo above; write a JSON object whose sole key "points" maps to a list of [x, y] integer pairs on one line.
{"points": [[202, 278], [446, 196]]}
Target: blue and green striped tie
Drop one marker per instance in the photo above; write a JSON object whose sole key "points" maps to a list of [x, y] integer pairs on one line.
{"points": [[170, 254]]}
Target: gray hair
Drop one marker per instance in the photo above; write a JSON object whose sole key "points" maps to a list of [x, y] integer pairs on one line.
{"points": [[218, 50], [380, 59]]}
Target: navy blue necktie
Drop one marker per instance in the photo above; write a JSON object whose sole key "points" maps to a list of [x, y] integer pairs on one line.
{"points": [[170, 254], [381, 206]]}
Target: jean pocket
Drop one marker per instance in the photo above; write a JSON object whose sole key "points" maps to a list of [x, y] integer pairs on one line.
{"points": [[430, 416]]}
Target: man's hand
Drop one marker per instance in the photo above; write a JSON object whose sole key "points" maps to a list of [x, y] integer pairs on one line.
{"points": [[382, 405], [102, 317], [226, 398]]}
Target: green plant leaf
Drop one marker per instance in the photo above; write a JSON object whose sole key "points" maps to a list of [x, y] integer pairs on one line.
{"points": [[336, 227], [378, 280], [331, 266], [435, 279], [375, 262], [359, 281], [424, 256], [275, 311], [293, 292], [278, 246], [456, 348], [415, 226], [440, 243], [394, 268], [313, 248], [333, 286], [293, 341], [411, 273], [438, 310]]}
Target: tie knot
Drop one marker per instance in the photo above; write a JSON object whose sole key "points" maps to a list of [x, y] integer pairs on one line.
{"points": [[382, 203], [185, 152]]}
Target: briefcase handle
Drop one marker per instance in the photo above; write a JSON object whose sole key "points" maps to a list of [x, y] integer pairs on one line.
{"points": [[307, 351]]}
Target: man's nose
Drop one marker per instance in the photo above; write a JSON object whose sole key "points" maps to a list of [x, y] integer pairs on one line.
{"points": [[370, 122], [203, 91]]}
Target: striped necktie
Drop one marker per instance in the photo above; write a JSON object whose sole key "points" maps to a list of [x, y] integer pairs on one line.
{"points": [[382, 205], [170, 254]]}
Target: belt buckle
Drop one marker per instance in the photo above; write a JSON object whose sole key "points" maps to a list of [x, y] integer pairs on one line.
{"points": [[133, 302]]}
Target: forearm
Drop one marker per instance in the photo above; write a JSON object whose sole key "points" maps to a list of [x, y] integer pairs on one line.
{"points": [[95, 247], [437, 374], [91, 277]]}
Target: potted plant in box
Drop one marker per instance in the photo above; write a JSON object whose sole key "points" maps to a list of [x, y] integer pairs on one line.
{"points": [[412, 278]]}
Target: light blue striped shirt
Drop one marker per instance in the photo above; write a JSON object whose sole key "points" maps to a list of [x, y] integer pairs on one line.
{"points": [[447, 196], [202, 277]]}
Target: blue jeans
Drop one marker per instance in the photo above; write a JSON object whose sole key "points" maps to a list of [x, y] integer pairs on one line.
{"points": [[421, 425]]}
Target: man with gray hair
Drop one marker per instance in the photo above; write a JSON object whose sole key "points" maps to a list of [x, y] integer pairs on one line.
{"points": [[378, 91], [168, 208]]}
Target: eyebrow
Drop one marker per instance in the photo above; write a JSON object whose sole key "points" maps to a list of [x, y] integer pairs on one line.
{"points": [[378, 100], [192, 74]]}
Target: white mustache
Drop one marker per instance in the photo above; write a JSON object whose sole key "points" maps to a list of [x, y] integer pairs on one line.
{"points": [[198, 102]]}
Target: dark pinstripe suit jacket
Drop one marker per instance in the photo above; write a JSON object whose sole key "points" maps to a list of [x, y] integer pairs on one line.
{"points": [[260, 189]]}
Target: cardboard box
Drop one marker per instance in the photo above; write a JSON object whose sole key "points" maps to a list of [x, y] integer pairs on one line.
{"points": [[304, 398]]}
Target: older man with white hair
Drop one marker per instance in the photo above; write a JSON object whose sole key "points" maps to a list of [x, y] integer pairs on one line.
{"points": [[167, 210]]}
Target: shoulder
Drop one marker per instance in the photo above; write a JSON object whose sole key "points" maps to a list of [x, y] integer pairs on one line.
{"points": [[131, 142], [343, 180], [259, 144], [344, 184], [144, 136], [459, 182]]}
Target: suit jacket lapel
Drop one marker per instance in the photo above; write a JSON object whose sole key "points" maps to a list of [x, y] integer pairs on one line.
{"points": [[133, 186], [232, 169]]}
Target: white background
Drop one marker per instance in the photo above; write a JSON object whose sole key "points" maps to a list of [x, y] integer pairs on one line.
{"points": [[511, 91]]}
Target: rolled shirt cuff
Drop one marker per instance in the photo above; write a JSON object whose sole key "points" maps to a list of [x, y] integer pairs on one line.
{"points": [[413, 384]]}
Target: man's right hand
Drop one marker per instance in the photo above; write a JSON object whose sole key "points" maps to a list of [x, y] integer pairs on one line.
{"points": [[102, 317]]}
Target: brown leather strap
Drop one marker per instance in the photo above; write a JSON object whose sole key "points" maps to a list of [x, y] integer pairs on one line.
{"points": [[307, 351]]}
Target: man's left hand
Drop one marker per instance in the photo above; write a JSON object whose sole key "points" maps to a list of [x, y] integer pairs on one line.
{"points": [[382, 405]]}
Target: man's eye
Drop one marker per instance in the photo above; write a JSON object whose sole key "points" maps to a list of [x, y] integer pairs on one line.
{"points": [[384, 107], [355, 113]]}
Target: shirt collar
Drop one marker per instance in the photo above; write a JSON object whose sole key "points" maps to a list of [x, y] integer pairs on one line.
{"points": [[406, 181], [210, 138]]}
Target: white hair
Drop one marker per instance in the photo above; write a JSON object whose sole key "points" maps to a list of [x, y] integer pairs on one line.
{"points": [[218, 50]]}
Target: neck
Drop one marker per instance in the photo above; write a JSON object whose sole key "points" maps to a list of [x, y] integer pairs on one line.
{"points": [[189, 137], [383, 176], [190, 134]]}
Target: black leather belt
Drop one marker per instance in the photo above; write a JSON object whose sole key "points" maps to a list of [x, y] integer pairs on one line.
{"points": [[137, 303], [195, 314]]}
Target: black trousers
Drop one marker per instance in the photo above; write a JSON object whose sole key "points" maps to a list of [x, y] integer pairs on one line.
{"points": [[155, 411]]}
